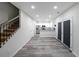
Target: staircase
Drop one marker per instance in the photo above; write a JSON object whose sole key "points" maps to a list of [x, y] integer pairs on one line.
{"points": [[8, 29]]}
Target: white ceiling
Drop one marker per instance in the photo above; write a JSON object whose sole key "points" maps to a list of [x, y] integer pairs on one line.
{"points": [[44, 9]]}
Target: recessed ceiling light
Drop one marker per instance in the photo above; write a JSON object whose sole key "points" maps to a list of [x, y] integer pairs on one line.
{"points": [[33, 7], [55, 7], [37, 15]]}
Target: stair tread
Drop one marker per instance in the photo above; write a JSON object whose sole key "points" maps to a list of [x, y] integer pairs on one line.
{"points": [[5, 33]]}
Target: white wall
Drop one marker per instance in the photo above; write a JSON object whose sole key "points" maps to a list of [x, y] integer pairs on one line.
{"points": [[48, 34], [73, 14], [20, 38]]}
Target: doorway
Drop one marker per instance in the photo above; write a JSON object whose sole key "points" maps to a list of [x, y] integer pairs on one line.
{"points": [[66, 33], [59, 30]]}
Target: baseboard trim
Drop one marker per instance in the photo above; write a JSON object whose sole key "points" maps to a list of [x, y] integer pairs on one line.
{"points": [[75, 54], [16, 51], [65, 45], [19, 48], [68, 48]]}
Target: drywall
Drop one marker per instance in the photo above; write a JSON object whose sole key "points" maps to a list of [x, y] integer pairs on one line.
{"points": [[20, 38], [7, 11], [47, 34], [73, 14]]}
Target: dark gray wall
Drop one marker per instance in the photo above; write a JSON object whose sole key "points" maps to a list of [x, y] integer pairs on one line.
{"points": [[12, 11], [7, 11]]}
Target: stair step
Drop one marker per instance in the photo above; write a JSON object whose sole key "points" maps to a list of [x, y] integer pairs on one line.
{"points": [[9, 30], [13, 26], [2, 39], [5, 34]]}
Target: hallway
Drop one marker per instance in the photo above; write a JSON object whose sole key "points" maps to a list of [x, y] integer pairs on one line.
{"points": [[39, 29], [41, 46]]}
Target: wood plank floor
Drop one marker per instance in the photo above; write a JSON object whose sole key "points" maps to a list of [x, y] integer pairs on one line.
{"points": [[44, 47]]}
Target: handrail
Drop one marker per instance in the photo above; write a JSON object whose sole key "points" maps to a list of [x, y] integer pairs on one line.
{"points": [[9, 21], [7, 29], [13, 19]]}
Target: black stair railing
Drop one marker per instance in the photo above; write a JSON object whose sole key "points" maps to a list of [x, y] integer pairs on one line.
{"points": [[7, 29]]}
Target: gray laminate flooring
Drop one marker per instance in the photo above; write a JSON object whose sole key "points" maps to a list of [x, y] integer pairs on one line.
{"points": [[44, 47]]}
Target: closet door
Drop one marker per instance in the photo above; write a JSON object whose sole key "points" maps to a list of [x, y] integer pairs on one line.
{"points": [[66, 33], [59, 30]]}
